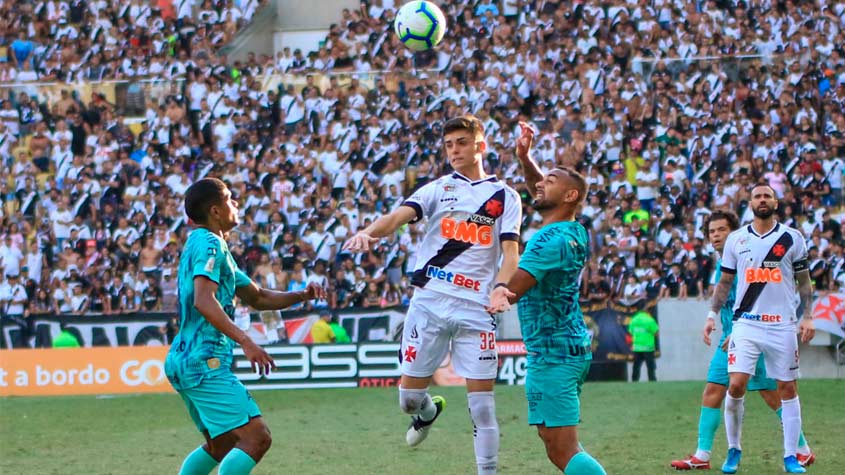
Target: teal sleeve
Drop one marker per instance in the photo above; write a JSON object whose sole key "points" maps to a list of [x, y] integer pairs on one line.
{"points": [[207, 260], [241, 279], [543, 253]]}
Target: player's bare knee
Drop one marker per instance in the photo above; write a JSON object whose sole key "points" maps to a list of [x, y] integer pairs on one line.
{"points": [[736, 391], [737, 386], [259, 440], [713, 395], [787, 390], [265, 440]]}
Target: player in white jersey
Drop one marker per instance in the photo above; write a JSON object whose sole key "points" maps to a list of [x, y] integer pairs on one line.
{"points": [[473, 222], [768, 258]]}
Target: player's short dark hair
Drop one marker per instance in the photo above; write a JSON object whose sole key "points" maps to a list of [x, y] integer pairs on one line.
{"points": [[578, 179], [467, 122], [767, 185], [727, 215], [201, 196]]}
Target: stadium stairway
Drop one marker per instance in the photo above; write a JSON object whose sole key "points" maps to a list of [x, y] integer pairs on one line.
{"points": [[258, 36], [293, 23]]}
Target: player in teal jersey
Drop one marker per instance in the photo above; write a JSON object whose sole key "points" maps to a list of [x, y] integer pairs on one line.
{"points": [[199, 362], [546, 285], [719, 225]]}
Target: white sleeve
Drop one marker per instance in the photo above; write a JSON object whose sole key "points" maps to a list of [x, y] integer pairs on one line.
{"points": [[512, 217], [423, 201], [729, 255]]}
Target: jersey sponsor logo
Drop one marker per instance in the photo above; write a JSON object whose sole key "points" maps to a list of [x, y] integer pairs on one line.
{"points": [[209, 265], [771, 264], [763, 275], [765, 317], [466, 232], [414, 333], [212, 251], [447, 199], [456, 279], [448, 188], [479, 219]]}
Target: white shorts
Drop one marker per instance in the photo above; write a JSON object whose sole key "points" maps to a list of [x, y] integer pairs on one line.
{"points": [[434, 323], [779, 345]]}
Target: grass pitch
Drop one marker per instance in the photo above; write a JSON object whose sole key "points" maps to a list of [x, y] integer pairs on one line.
{"points": [[630, 428]]}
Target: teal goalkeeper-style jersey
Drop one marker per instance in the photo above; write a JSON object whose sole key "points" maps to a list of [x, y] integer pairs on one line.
{"points": [[726, 312], [199, 349], [552, 324]]}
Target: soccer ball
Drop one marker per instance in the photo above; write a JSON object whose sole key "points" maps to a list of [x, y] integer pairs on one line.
{"points": [[420, 25]]}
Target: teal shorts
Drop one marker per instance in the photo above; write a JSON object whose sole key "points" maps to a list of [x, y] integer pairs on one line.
{"points": [[220, 403], [717, 373], [552, 390]]}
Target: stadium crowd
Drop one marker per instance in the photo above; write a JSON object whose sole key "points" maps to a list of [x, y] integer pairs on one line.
{"points": [[646, 98]]}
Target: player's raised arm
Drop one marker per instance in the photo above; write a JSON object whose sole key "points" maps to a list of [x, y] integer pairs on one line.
{"points": [[260, 298], [383, 226], [206, 303], [523, 152], [413, 209]]}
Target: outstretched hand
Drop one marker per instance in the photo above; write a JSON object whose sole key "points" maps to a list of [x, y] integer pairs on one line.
{"points": [[315, 291], [499, 300], [360, 242]]}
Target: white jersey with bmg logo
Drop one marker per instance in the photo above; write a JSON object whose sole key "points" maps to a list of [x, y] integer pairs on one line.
{"points": [[765, 268], [467, 221]]}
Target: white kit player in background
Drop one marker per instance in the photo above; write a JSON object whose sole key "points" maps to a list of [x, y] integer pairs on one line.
{"points": [[768, 258], [473, 219]]}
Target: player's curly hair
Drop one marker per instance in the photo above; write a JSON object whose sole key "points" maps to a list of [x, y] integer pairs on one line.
{"points": [[727, 215], [467, 122]]}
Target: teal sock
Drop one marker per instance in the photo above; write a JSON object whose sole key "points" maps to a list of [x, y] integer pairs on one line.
{"points": [[583, 464], [198, 462], [802, 442], [236, 462], [708, 423]]}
